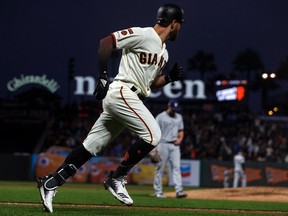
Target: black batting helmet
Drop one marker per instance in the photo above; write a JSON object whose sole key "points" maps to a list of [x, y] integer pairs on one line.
{"points": [[169, 12]]}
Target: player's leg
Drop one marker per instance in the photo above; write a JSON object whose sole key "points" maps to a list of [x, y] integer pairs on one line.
{"points": [[115, 181], [159, 170], [175, 161], [47, 184], [134, 115], [236, 179], [103, 132], [226, 182], [243, 179], [98, 138]]}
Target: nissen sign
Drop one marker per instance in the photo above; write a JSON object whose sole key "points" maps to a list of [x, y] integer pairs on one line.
{"points": [[188, 89]]}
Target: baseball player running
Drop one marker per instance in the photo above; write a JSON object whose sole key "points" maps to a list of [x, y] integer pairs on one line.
{"points": [[144, 55], [172, 128]]}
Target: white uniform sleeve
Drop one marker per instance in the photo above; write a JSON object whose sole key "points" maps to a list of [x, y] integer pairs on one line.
{"points": [[129, 38], [181, 123]]}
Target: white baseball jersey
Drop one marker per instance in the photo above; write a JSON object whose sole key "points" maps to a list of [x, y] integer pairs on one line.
{"points": [[143, 57], [169, 126], [238, 161]]}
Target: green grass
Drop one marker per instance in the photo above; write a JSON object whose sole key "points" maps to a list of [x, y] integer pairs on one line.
{"points": [[22, 198]]}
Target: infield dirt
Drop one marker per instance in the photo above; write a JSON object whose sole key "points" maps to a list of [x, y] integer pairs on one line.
{"points": [[269, 194]]}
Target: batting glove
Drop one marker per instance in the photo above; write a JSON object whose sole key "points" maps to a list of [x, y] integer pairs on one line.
{"points": [[102, 86], [175, 74]]}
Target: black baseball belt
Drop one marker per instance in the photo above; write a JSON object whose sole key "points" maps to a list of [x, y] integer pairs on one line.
{"points": [[170, 142], [140, 96]]}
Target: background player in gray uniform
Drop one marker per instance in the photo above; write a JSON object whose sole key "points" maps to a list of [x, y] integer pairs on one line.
{"points": [[172, 128], [144, 55], [239, 170]]}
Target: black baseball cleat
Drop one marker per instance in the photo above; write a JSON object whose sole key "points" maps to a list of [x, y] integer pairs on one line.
{"points": [[116, 186], [181, 194], [45, 195]]}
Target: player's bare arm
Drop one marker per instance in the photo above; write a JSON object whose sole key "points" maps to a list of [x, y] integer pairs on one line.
{"points": [[158, 82], [175, 74], [180, 137], [106, 47]]}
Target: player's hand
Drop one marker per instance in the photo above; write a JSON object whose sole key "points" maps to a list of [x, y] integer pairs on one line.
{"points": [[176, 73], [177, 141], [154, 156], [102, 86]]}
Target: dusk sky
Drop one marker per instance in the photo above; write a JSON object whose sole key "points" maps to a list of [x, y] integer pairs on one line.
{"points": [[38, 36]]}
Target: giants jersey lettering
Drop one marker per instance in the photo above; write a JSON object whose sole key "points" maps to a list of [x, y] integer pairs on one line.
{"points": [[143, 56]]}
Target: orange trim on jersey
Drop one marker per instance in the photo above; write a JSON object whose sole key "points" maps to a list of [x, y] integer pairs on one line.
{"points": [[136, 114], [126, 156]]}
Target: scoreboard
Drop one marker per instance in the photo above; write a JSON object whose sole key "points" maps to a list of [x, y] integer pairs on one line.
{"points": [[231, 90]]}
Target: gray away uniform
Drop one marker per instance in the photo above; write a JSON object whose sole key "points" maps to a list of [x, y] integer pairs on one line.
{"points": [[168, 151]]}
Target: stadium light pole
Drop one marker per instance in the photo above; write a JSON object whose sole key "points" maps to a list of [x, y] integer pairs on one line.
{"points": [[266, 80]]}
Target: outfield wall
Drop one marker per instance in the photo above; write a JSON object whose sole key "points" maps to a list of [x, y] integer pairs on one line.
{"points": [[195, 173]]}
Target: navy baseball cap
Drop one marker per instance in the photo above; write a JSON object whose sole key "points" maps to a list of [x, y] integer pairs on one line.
{"points": [[174, 104]]}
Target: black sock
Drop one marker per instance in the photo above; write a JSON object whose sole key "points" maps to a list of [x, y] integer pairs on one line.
{"points": [[74, 160], [135, 153], [78, 156]]}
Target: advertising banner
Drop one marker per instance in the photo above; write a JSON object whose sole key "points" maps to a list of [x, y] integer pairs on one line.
{"points": [[190, 171], [215, 173]]}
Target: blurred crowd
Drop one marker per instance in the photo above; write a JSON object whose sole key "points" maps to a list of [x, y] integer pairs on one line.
{"points": [[221, 134], [215, 134]]}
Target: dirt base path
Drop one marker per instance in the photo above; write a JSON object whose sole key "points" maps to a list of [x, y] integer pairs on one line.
{"points": [[155, 208], [269, 194]]}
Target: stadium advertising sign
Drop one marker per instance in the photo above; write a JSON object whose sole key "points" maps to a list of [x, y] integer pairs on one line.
{"points": [[23, 80], [188, 89], [85, 85]]}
